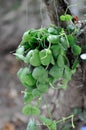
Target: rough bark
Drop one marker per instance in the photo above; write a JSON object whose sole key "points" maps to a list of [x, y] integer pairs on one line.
{"points": [[55, 9], [75, 95]]}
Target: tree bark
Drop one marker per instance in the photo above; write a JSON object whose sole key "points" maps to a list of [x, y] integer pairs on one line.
{"points": [[75, 95], [55, 9]]}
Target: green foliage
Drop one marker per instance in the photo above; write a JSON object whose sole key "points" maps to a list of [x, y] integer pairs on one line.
{"points": [[33, 58], [54, 39], [51, 124], [45, 56], [66, 17], [46, 53], [31, 110], [76, 50], [40, 74], [31, 125], [56, 72], [26, 77]]}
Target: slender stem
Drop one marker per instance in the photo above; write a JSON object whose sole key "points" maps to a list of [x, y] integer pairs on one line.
{"points": [[67, 118]]}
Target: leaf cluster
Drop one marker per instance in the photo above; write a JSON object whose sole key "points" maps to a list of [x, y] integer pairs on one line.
{"points": [[47, 52], [51, 54]]}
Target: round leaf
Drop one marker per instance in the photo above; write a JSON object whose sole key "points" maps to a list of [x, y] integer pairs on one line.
{"points": [[68, 17], [25, 77], [62, 17], [36, 93], [56, 72], [64, 42], [71, 40], [20, 50], [55, 50], [35, 59], [28, 56], [67, 73], [40, 74], [45, 56], [54, 39], [31, 110], [28, 97], [52, 30], [76, 50], [42, 87]]}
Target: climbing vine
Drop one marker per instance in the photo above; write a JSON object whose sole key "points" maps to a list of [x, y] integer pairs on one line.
{"points": [[51, 55]]}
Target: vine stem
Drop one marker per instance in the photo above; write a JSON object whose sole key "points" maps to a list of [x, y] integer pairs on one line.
{"points": [[67, 118], [72, 5]]}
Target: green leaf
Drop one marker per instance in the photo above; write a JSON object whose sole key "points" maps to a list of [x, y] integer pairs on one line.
{"points": [[55, 50], [68, 17], [67, 73], [64, 42], [71, 40], [25, 77], [76, 50], [25, 37], [32, 58], [31, 110], [19, 53], [19, 56], [40, 74], [54, 39], [62, 17], [45, 120], [45, 56], [56, 72], [52, 30], [20, 50], [42, 87], [60, 61], [53, 126], [29, 36], [32, 125], [28, 56], [35, 59], [48, 122], [28, 97], [36, 93]]}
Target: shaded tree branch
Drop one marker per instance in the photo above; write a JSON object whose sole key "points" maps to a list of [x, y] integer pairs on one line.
{"points": [[55, 9]]}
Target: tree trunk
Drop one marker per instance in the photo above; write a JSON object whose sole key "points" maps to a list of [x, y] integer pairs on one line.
{"points": [[75, 95]]}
